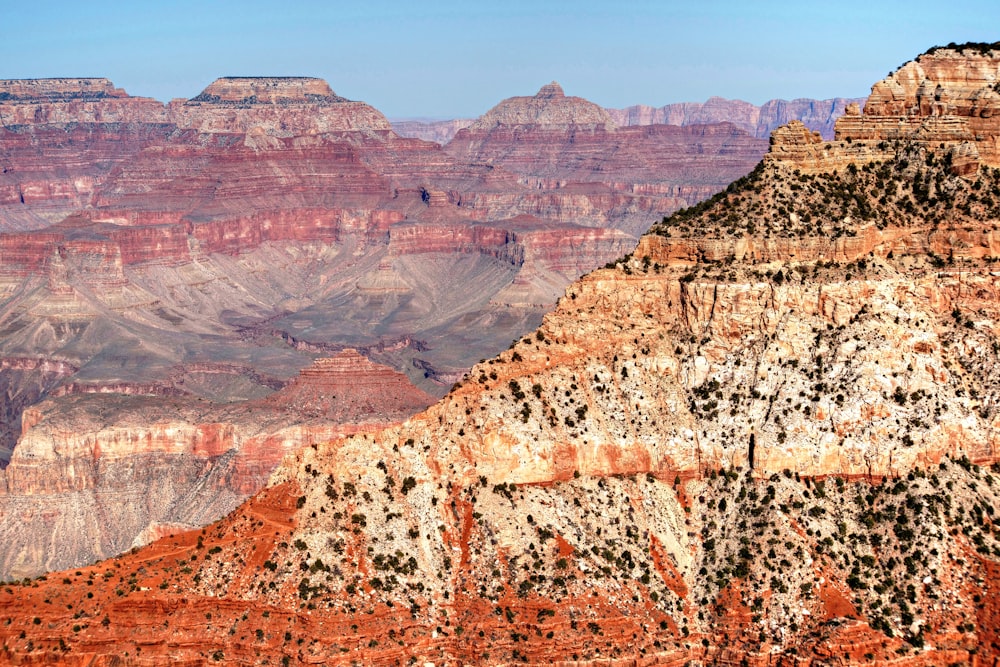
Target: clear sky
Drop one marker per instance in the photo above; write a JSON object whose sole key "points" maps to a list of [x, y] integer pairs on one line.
{"points": [[445, 58]]}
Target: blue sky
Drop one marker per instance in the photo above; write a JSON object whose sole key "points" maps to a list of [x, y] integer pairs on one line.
{"points": [[448, 59]]}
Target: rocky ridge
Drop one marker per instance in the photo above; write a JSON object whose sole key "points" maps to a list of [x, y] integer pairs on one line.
{"points": [[758, 121], [751, 445], [556, 143], [549, 107]]}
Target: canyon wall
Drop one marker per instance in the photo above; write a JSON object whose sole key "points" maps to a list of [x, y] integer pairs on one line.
{"points": [[94, 475], [758, 121]]}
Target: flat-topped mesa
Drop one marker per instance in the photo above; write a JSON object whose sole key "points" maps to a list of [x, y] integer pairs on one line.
{"points": [[946, 100], [280, 106], [550, 108], [268, 90], [58, 89], [65, 100]]}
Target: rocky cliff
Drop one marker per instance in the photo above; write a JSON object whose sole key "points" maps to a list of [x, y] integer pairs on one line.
{"points": [[549, 107], [945, 100], [758, 121], [565, 146], [759, 439]]}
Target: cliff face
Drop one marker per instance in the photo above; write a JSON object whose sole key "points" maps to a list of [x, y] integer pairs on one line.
{"points": [[758, 121], [760, 438], [566, 146], [946, 96], [281, 106], [549, 107]]}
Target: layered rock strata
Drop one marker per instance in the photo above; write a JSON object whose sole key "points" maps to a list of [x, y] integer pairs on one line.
{"points": [[758, 121], [197, 255], [946, 97], [93, 476], [736, 457]]}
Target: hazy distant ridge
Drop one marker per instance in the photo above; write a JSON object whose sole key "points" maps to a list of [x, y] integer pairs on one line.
{"points": [[758, 121]]}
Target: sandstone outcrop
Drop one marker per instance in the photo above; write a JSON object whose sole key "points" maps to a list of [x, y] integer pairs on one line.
{"points": [[758, 439], [550, 108], [280, 106], [945, 98]]}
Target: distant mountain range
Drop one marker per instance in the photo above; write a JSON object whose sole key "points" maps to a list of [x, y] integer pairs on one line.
{"points": [[758, 121]]}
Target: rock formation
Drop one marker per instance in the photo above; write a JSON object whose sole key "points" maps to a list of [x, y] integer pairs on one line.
{"points": [[557, 144], [757, 121], [550, 108], [762, 438]]}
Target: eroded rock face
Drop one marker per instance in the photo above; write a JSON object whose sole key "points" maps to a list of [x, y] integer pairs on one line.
{"points": [[549, 107], [250, 90], [566, 146], [946, 96], [253, 211], [758, 121], [278, 106], [757, 439]]}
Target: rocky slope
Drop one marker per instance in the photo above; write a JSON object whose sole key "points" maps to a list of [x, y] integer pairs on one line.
{"points": [[752, 441], [758, 121]]}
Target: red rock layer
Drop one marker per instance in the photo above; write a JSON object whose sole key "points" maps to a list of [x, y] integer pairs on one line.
{"points": [[214, 458], [761, 460]]}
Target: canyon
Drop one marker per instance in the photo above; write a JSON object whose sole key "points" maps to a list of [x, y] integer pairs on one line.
{"points": [[168, 270], [767, 436]]}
